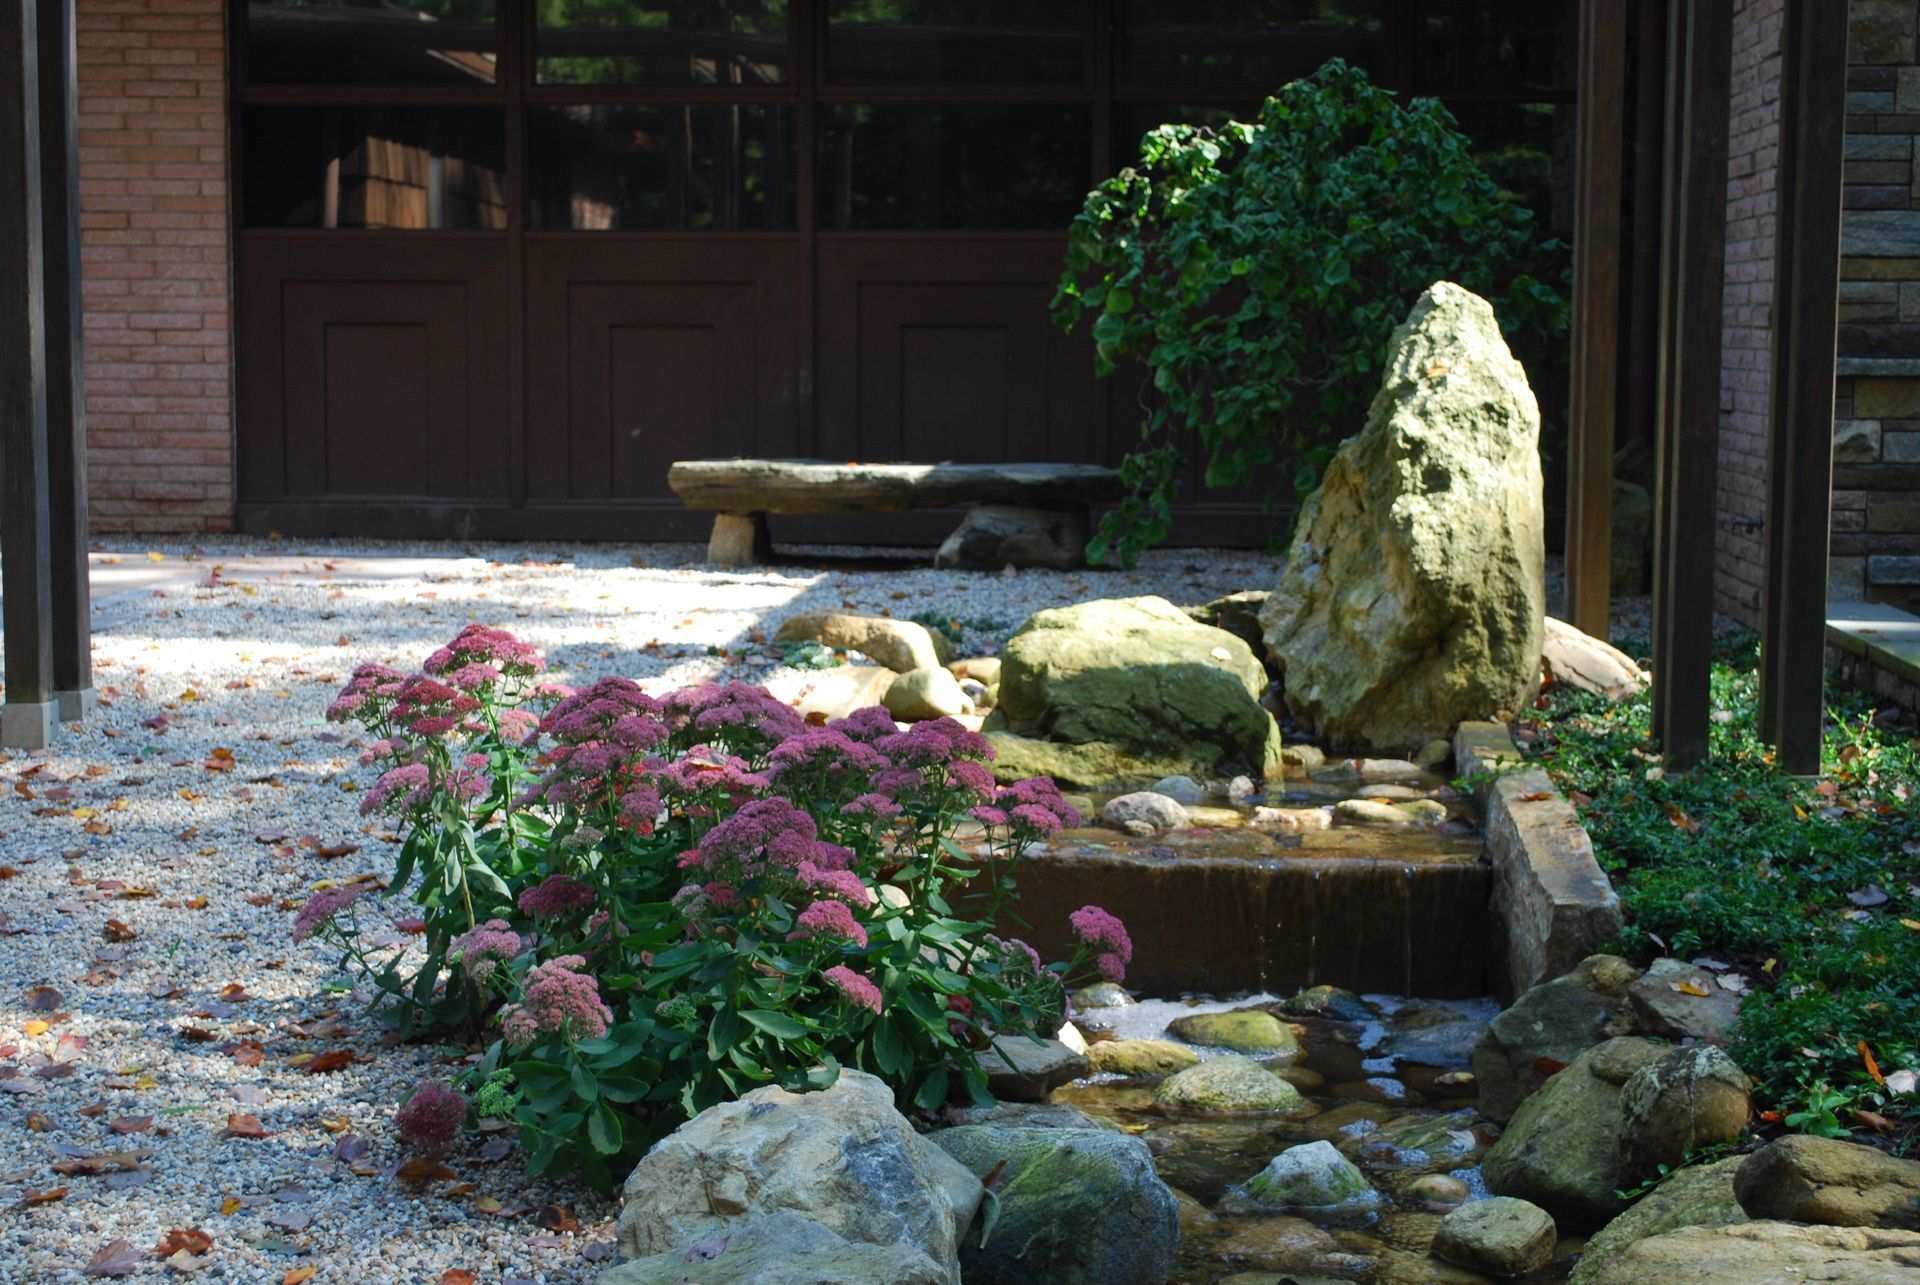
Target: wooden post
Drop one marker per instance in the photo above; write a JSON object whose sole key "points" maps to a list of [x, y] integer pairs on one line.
{"points": [[66, 383], [1601, 148], [27, 716], [1793, 602], [1692, 271]]}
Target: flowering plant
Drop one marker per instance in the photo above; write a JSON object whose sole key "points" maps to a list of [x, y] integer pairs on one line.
{"points": [[652, 904]]}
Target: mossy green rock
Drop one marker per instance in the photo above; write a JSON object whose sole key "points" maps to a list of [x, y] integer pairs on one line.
{"points": [[780, 1248], [1697, 1196], [1562, 1148], [1076, 1207], [1137, 677], [1245, 1031], [1331, 1003], [1093, 766], [1141, 1059], [1313, 1177], [1227, 1086]]}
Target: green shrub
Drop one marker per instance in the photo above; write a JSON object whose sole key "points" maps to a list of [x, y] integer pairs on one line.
{"points": [[1258, 270], [661, 903]]}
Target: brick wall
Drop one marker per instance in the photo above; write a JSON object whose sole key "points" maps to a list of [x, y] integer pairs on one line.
{"points": [[1753, 152], [155, 255], [1876, 511]]}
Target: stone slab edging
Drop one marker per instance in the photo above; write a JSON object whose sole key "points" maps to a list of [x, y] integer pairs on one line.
{"points": [[1552, 904], [1876, 648]]}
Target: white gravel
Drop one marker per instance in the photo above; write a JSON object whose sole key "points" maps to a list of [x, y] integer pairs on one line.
{"points": [[237, 645]]}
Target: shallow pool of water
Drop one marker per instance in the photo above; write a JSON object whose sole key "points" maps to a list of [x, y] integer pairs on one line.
{"points": [[1392, 1093]]}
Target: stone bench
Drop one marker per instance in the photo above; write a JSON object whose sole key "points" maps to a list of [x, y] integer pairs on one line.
{"points": [[1023, 514]]}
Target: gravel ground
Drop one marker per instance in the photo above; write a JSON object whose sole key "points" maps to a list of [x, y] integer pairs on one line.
{"points": [[151, 862]]}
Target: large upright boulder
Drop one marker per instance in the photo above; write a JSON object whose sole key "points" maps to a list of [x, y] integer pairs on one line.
{"points": [[1415, 593], [1135, 680], [842, 1157]]}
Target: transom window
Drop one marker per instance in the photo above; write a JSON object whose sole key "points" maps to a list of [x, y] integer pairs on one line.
{"points": [[822, 116]]}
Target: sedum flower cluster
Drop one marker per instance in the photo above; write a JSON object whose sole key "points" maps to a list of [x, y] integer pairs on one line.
{"points": [[647, 903]]}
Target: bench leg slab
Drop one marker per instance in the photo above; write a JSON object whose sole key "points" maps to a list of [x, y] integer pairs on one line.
{"points": [[739, 540]]}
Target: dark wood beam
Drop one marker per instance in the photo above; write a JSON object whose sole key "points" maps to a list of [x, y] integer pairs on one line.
{"points": [[1692, 271], [66, 382], [27, 715], [1793, 602], [1601, 148]]}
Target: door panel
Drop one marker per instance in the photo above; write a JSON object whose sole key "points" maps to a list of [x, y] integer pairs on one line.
{"points": [[642, 352]]}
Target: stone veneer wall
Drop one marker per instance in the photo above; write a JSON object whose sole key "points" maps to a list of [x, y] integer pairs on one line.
{"points": [[1876, 499]]}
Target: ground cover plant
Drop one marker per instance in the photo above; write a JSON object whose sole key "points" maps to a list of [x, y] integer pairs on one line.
{"points": [[653, 904], [1807, 892], [1257, 271]]}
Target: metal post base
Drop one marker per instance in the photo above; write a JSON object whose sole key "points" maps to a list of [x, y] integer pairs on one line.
{"points": [[75, 706], [27, 726]]}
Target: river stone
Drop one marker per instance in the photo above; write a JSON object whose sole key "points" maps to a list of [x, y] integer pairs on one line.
{"points": [[1102, 995], [1238, 614], [1141, 1059], [1437, 1193], [1435, 754], [1501, 1237], [1027, 1115], [992, 536], [926, 693], [780, 1248], [1417, 1141], [1330, 1002], [1145, 807], [1276, 1243], [1585, 663], [1181, 789], [1414, 597], [1227, 1086], [1023, 1070], [1661, 1008], [1370, 812], [1693, 1097], [900, 645], [842, 1157], [1244, 1031], [1448, 1045], [1141, 675], [1315, 1180], [1076, 1206], [1302, 757], [1766, 1252], [1562, 1148], [1292, 820], [1557, 1020], [1696, 1196], [1825, 1180], [982, 669]]}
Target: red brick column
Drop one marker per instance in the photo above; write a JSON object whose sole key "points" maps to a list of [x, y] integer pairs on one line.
{"points": [[1753, 152], [156, 259]]}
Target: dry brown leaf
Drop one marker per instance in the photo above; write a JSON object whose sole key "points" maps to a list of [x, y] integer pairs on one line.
{"points": [[423, 1169], [456, 1276], [242, 1125], [190, 1239], [116, 1258], [32, 1199]]}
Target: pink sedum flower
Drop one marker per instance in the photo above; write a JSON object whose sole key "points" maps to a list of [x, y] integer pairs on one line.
{"points": [[1105, 933], [486, 947], [556, 895], [855, 989], [430, 1120], [828, 919], [559, 999], [321, 907]]}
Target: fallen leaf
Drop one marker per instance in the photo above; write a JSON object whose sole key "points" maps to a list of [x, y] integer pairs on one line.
{"points": [[116, 1258], [190, 1239], [557, 1218], [1871, 895], [1873, 1120], [242, 1125], [132, 1124], [334, 1060], [456, 1276], [1688, 988], [232, 1205], [114, 930], [298, 1275], [34, 1199], [43, 999], [1873, 1067], [1903, 1082], [422, 1169]]}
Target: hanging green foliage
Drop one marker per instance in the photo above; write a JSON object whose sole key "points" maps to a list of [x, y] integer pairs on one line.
{"points": [[1257, 272]]}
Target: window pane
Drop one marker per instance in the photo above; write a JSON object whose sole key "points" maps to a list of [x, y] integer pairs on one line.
{"points": [[1260, 42], [373, 167], [334, 42], [1528, 149], [709, 166], [661, 42], [917, 42], [953, 166], [1509, 45]]}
